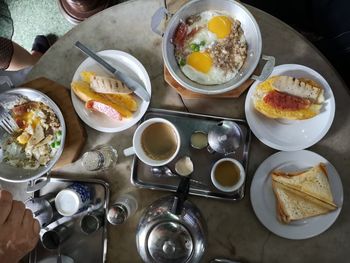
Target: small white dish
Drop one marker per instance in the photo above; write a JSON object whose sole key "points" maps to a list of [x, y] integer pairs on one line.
{"points": [[228, 188], [286, 135], [125, 63], [264, 201]]}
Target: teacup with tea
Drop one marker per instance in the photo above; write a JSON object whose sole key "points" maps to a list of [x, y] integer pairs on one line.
{"points": [[156, 142], [227, 175]]}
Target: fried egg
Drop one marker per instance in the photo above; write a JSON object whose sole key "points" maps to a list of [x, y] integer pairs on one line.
{"points": [[197, 60], [199, 68]]}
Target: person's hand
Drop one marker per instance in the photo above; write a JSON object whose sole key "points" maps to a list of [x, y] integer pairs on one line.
{"points": [[19, 231]]}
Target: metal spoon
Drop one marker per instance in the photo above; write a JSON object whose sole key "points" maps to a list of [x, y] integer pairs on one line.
{"points": [[164, 171]]}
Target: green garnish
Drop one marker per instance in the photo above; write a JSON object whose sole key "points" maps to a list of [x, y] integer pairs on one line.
{"points": [[202, 43], [59, 133], [182, 62], [194, 47], [55, 144]]}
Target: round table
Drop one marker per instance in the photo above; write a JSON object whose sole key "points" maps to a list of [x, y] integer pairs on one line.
{"points": [[233, 229]]}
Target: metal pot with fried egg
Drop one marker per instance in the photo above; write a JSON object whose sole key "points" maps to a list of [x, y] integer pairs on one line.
{"points": [[212, 46], [212, 49]]}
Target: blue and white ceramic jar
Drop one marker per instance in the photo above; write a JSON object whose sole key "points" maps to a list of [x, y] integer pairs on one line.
{"points": [[75, 198]]}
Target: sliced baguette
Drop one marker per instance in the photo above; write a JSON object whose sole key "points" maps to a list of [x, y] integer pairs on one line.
{"points": [[313, 182], [275, 113], [127, 100], [83, 91], [294, 205], [108, 85], [296, 87]]}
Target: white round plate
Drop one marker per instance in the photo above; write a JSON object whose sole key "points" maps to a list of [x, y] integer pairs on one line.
{"points": [[291, 135], [264, 201], [125, 63]]}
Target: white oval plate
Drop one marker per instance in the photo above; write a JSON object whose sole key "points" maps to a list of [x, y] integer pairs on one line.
{"points": [[264, 201], [291, 135], [125, 63]]}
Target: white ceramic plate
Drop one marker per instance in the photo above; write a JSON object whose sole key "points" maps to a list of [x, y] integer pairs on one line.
{"points": [[264, 201], [125, 63], [291, 135]]}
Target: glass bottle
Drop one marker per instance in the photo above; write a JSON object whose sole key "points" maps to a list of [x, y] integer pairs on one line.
{"points": [[124, 207], [100, 158]]}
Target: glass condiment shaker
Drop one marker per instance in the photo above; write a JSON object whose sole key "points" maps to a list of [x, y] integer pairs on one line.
{"points": [[125, 206], [100, 158]]}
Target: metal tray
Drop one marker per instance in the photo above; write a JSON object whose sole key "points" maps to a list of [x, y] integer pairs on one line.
{"points": [[80, 247], [187, 123]]}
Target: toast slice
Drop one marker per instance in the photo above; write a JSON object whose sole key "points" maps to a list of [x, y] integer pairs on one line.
{"points": [[295, 205], [313, 182]]}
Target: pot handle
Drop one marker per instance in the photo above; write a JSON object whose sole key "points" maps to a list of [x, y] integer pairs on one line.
{"points": [[33, 186], [181, 195], [267, 69], [157, 18], [5, 83]]}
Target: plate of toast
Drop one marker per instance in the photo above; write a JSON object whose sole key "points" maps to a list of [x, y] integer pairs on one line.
{"points": [[292, 110], [102, 101], [296, 195]]}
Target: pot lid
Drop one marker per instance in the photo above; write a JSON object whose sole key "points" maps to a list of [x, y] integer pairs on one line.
{"points": [[225, 137], [170, 242]]}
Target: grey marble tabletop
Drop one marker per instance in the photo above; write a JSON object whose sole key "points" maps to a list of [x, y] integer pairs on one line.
{"points": [[233, 229]]}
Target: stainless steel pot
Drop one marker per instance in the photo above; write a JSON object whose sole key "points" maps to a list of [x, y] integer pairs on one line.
{"points": [[17, 175], [172, 230], [251, 32]]}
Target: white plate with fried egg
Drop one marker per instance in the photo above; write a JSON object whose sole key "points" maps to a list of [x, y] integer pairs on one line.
{"points": [[292, 135], [128, 65]]}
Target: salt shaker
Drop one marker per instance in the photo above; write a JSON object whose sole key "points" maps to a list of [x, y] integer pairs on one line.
{"points": [[100, 158], [125, 206]]}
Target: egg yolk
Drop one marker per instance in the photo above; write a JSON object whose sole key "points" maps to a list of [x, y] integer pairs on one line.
{"points": [[201, 61], [220, 26]]}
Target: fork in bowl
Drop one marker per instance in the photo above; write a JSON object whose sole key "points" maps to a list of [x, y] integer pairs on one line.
{"points": [[7, 122]]}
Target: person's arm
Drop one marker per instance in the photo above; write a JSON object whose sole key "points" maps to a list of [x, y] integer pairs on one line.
{"points": [[19, 231]]}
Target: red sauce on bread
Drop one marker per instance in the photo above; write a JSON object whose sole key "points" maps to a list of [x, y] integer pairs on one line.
{"points": [[285, 101]]}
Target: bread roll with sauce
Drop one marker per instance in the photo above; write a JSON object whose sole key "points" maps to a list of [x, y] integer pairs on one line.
{"points": [[288, 98]]}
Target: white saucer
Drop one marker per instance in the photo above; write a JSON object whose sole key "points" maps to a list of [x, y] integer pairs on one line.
{"points": [[125, 63], [264, 201], [291, 135]]}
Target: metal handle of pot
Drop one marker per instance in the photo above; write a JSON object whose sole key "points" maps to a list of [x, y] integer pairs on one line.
{"points": [[157, 18], [5, 83], [267, 69], [33, 186]]}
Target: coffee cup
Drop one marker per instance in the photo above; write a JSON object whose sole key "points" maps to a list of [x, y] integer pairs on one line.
{"points": [[227, 175], [156, 142]]}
